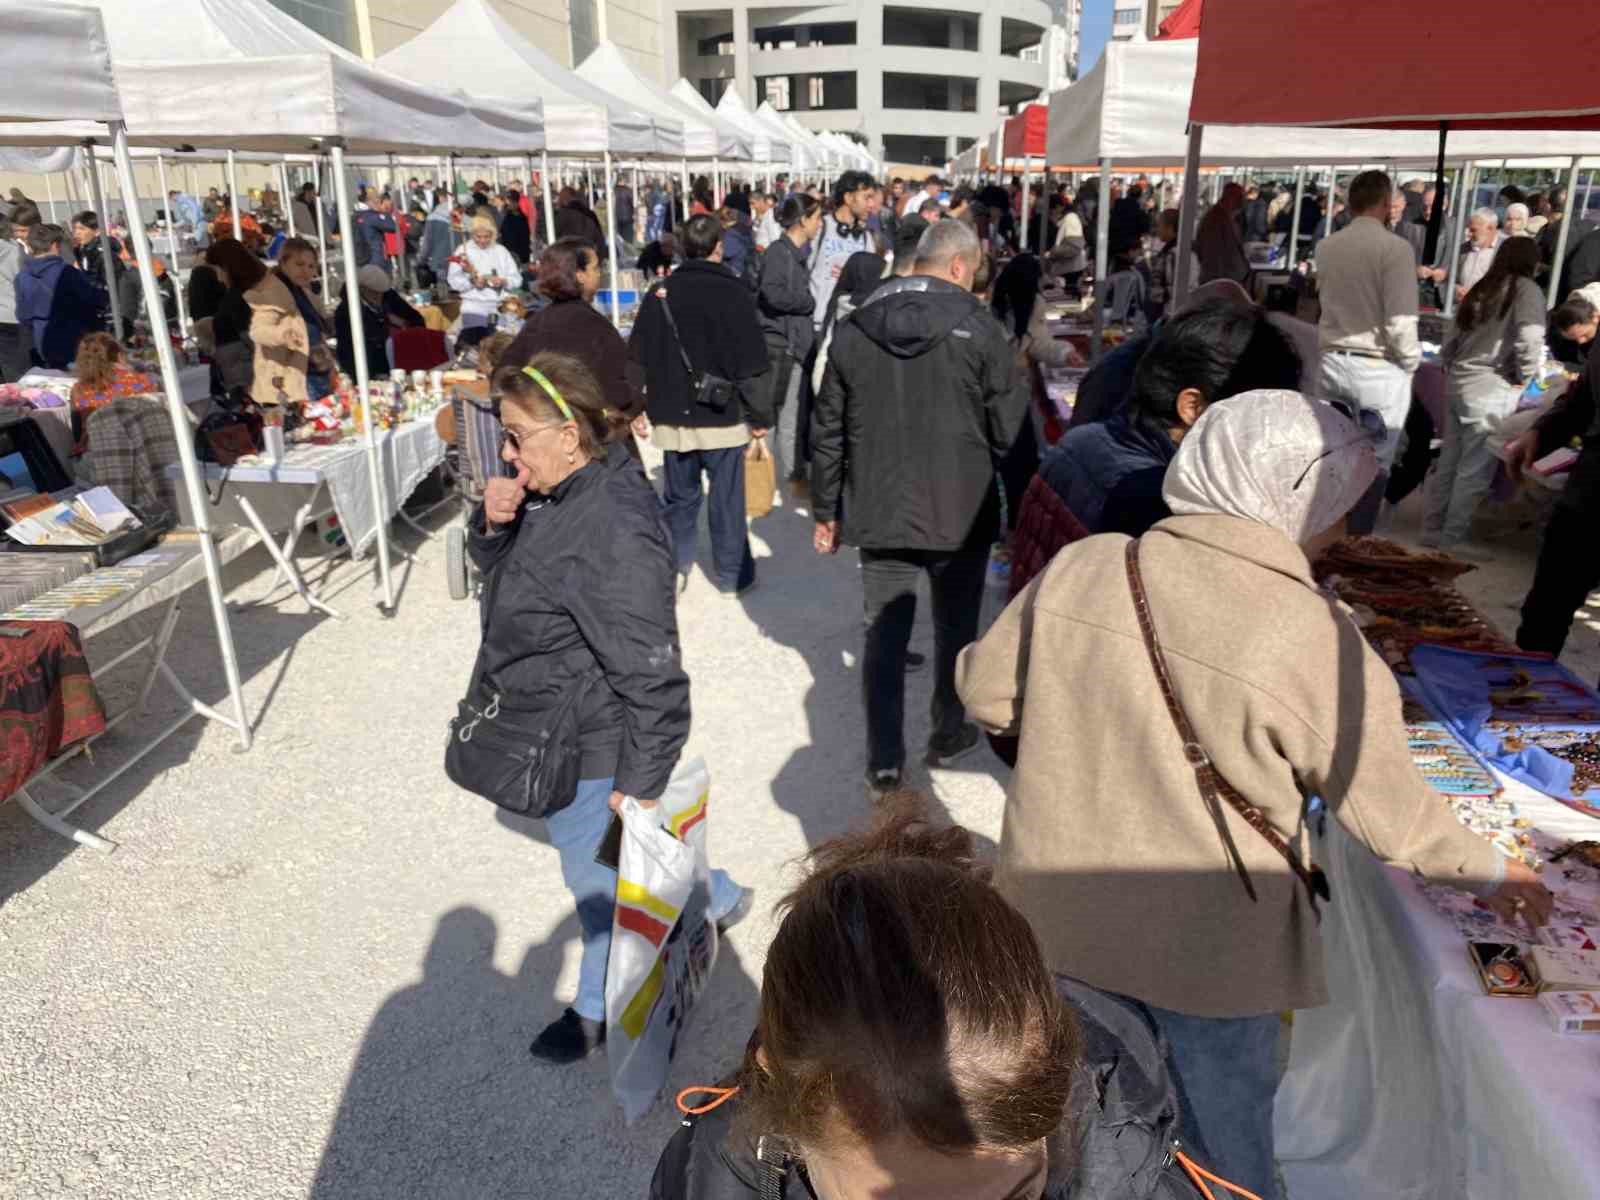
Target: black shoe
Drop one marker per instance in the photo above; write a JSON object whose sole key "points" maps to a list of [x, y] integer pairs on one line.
{"points": [[915, 661], [740, 910], [569, 1040], [943, 753], [881, 783]]}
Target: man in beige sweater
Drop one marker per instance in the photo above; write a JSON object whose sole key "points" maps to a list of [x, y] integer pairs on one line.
{"points": [[1133, 882]]}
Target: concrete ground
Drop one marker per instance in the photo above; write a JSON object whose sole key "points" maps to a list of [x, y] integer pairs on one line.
{"points": [[313, 970]]}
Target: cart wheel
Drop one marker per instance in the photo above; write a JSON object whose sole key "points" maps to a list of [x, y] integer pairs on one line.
{"points": [[455, 562]]}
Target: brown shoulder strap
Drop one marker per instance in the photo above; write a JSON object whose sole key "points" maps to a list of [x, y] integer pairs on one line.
{"points": [[1213, 787]]}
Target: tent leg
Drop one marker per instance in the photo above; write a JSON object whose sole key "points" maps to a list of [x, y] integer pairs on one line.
{"points": [[1463, 205], [184, 433], [1552, 295], [1186, 212], [283, 197], [685, 196], [233, 197], [172, 248], [358, 347], [322, 238], [1102, 222], [611, 243], [1294, 221], [107, 259], [1027, 202], [549, 204]]}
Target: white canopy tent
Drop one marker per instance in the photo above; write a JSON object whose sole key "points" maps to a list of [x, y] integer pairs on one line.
{"points": [[766, 144], [705, 135], [242, 74], [820, 151], [69, 77], [803, 154]]}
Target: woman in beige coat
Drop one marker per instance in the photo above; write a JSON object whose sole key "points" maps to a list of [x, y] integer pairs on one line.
{"points": [[1135, 881]]}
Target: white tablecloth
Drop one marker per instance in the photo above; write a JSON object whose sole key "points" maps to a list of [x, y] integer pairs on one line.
{"points": [[407, 454], [1414, 1085]]}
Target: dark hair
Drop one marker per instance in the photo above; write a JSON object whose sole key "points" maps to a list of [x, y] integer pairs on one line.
{"points": [[42, 237], [513, 197], [883, 1014], [962, 195], [931, 204], [244, 269], [559, 266], [25, 214], [1370, 189], [738, 201], [1219, 349], [848, 184], [1512, 194], [268, 231], [577, 386], [796, 209], [305, 187], [87, 219], [700, 236], [906, 236], [1016, 292], [1517, 258], [296, 245], [1575, 310]]}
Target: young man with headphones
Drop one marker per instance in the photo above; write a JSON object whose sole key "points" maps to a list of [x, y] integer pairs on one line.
{"points": [[844, 232]]}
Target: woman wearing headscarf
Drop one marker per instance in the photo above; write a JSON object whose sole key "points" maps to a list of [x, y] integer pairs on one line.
{"points": [[1218, 667]]}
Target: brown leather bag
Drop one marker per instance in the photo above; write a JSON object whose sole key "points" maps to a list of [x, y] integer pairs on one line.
{"points": [[1213, 787]]}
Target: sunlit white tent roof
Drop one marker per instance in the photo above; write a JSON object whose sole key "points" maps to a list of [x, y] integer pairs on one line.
{"points": [[802, 154], [1133, 107], [766, 144], [705, 135], [473, 43], [799, 133], [241, 73], [68, 48]]}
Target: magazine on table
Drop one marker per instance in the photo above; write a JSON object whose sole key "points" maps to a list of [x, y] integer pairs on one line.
{"points": [[87, 519]]}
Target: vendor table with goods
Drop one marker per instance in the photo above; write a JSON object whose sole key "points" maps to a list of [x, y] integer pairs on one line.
{"points": [[1414, 1081], [312, 481]]}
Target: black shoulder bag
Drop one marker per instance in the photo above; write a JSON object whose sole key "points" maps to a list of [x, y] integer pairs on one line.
{"points": [[713, 391], [527, 763]]}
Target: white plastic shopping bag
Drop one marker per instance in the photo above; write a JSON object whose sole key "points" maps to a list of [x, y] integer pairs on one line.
{"points": [[663, 945]]}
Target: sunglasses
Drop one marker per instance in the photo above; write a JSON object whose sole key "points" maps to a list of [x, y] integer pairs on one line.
{"points": [[510, 437]]}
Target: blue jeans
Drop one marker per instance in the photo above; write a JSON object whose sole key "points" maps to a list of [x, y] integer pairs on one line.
{"points": [[575, 832], [730, 545], [1227, 1073]]}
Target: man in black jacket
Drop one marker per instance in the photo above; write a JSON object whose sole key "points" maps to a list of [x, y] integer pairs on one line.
{"points": [[717, 329], [1569, 565], [918, 403]]}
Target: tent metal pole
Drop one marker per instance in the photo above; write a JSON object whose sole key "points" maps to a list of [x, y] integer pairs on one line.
{"points": [[1102, 223], [172, 248], [1561, 238], [1588, 191], [233, 197], [399, 264], [107, 259], [1027, 202], [322, 238], [284, 197], [716, 183], [199, 503], [1187, 205], [50, 200], [549, 204], [1455, 246], [1294, 221], [358, 347], [611, 243], [684, 196]]}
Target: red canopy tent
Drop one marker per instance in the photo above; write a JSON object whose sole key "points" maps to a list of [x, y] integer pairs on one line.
{"points": [[1024, 135], [1181, 22]]}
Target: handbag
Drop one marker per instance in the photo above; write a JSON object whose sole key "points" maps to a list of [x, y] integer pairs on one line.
{"points": [[713, 391], [1213, 787], [760, 479]]}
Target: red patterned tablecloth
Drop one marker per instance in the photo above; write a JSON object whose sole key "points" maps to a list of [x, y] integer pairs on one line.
{"points": [[47, 699]]}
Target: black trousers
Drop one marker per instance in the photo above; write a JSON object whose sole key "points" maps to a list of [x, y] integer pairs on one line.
{"points": [[1568, 570], [15, 360], [889, 583], [1411, 468]]}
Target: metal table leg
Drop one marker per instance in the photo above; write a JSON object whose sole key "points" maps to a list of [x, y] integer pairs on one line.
{"points": [[284, 556]]}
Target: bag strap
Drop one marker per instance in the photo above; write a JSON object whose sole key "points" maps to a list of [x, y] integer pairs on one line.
{"points": [[772, 1158], [1211, 783], [660, 292]]}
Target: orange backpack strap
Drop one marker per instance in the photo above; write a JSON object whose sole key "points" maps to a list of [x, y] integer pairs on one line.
{"points": [[720, 1096]]}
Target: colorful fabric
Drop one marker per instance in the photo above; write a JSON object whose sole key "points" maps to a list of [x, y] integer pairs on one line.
{"points": [[47, 699]]}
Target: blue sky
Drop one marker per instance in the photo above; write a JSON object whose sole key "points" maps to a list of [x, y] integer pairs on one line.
{"points": [[1096, 32]]}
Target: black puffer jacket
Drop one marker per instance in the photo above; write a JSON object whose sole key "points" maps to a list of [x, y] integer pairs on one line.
{"points": [[785, 298], [917, 405], [584, 578], [1123, 1114]]}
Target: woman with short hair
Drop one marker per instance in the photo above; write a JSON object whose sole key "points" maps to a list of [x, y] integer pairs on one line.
{"points": [[482, 271], [569, 277], [579, 609]]}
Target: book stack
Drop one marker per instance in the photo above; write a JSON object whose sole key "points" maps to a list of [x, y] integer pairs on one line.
{"points": [[89, 519]]}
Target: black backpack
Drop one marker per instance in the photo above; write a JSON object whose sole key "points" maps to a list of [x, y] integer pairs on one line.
{"points": [[1125, 1111]]}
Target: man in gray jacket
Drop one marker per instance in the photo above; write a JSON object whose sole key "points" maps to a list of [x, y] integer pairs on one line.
{"points": [[14, 358]]}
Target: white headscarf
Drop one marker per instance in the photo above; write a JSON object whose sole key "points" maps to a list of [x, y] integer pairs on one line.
{"points": [[1245, 455]]}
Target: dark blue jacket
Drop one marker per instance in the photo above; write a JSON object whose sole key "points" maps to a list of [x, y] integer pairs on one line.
{"points": [[1109, 475], [59, 304], [371, 225]]}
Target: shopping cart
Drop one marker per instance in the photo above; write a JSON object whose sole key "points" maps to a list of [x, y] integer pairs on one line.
{"points": [[474, 459]]}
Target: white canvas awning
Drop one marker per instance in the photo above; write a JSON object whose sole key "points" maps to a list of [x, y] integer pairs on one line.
{"points": [[58, 66], [705, 135], [802, 154], [820, 153], [473, 43], [1133, 107], [766, 145]]}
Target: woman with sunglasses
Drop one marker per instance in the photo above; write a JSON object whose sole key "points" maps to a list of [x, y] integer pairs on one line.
{"points": [[579, 607], [1224, 677]]}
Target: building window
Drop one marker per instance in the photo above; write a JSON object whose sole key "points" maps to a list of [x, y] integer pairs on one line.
{"points": [[1126, 16], [938, 93], [712, 47], [930, 28], [802, 93], [333, 19], [776, 89], [802, 37], [914, 151]]}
